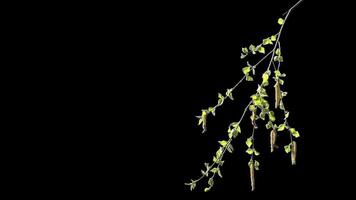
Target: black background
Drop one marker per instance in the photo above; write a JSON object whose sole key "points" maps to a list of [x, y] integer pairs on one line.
{"points": [[161, 63]]}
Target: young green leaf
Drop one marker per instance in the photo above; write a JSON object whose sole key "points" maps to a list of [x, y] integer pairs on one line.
{"points": [[244, 50], [271, 116], [229, 94], [267, 41], [207, 189], [249, 151], [211, 181], [257, 164], [223, 143], [269, 125], [246, 70], [287, 148], [220, 96], [261, 50], [281, 127], [249, 142], [280, 21], [273, 38], [249, 78], [256, 152], [230, 148], [278, 52], [294, 132]]}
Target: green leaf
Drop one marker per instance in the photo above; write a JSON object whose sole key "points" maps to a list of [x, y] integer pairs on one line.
{"points": [[211, 181], [267, 41], [257, 164], [219, 173], [249, 142], [229, 94], [278, 52], [244, 50], [269, 125], [230, 148], [219, 153], [204, 173], [223, 143], [252, 48], [273, 38], [294, 132], [252, 108], [281, 127], [280, 81], [277, 73], [286, 115], [256, 152], [287, 148], [280, 21], [192, 186], [271, 116], [246, 70], [249, 151], [249, 78], [265, 77], [261, 50], [220, 96]]}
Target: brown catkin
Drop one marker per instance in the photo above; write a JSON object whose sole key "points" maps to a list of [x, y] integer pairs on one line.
{"points": [[277, 91], [252, 176], [294, 152], [273, 139]]}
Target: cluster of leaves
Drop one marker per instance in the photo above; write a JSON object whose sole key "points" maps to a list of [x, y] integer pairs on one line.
{"points": [[260, 109]]}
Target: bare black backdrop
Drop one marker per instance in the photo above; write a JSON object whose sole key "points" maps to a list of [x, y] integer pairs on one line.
{"points": [[173, 60]]}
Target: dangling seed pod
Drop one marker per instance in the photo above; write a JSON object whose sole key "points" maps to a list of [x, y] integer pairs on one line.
{"points": [[252, 174], [273, 136], [277, 91], [294, 152]]}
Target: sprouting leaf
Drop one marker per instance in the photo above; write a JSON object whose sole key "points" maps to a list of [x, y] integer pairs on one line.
{"points": [[215, 160], [212, 110], [256, 152], [278, 52], [261, 50], [211, 181], [265, 77], [233, 133], [219, 173], [246, 70], [277, 73], [284, 94], [200, 121], [281, 127], [286, 115], [242, 56], [252, 48], [280, 81], [249, 78], [220, 102], [192, 186], [207, 189], [249, 151], [229, 94], [281, 105], [219, 153], [287, 148], [244, 50], [280, 21], [257, 164], [250, 163], [278, 58], [205, 173], [267, 41], [237, 127], [220, 96], [262, 115], [294, 132], [230, 148], [273, 38], [223, 143], [269, 125], [252, 107], [249, 142], [271, 116]]}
